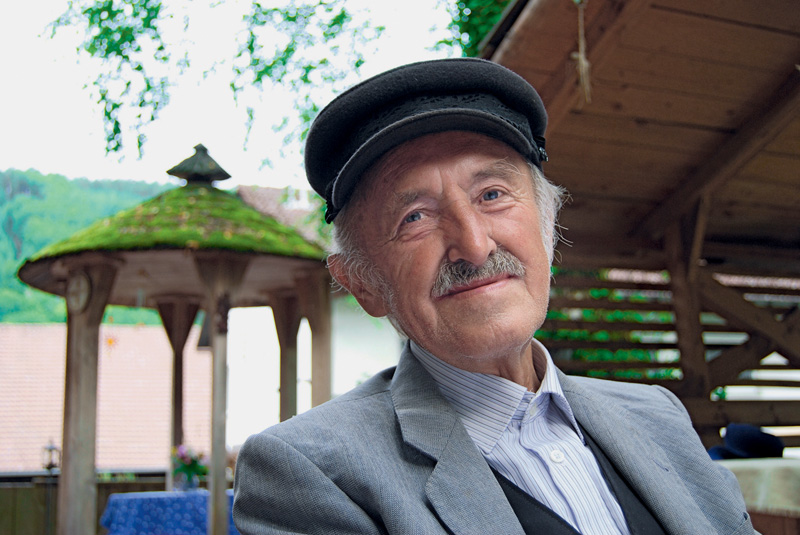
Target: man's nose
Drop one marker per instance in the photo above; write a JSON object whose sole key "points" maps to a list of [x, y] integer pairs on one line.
{"points": [[469, 235]]}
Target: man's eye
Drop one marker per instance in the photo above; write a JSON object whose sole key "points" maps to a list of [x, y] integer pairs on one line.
{"points": [[413, 216], [491, 195]]}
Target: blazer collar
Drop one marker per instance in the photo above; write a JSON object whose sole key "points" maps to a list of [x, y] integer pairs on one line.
{"points": [[467, 496], [462, 488], [639, 459]]}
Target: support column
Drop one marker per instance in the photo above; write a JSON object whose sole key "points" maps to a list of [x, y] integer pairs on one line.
{"points": [[681, 242], [314, 290], [88, 291], [286, 311], [177, 314], [222, 275]]}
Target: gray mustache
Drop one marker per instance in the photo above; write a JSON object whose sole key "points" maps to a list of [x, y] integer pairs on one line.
{"points": [[461, 273]]}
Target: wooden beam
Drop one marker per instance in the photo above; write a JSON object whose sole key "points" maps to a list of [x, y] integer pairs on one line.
{"points": [[725, 369], [757, 259], [561, 93], [314, 290], [682, 250], [177, 315], [623, 326], [623, 252], [753, 135], [77, 484], [608, 345], [567, 281], [733, 307], [791, 441], [286, 312], [761, 413], [222, 275], [767, 382], [497, 34], [607, 304], [568, 366]]}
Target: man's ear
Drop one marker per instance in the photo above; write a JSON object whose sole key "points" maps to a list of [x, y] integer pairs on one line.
{"points": [[369, 298]]}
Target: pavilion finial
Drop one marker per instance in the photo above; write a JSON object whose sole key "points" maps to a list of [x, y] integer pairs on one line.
{"points": [[199, 168]]}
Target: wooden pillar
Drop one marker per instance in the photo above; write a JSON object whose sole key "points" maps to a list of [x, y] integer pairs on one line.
{"points": [[218, 483], [87, 293], [314, 290], [177, 314], [682, 241], [222, 274], [286, 311]]}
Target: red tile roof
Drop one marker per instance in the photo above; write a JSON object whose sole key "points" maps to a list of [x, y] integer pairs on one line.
{"points": [[134, 393]]}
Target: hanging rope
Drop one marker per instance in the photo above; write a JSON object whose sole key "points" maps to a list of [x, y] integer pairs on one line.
{"points": [[581, 62]]}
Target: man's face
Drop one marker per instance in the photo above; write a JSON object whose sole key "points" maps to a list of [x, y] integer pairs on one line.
{"points": [[454, 197]]}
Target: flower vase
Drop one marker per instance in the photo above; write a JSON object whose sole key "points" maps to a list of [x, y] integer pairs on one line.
{"points": [[186, 482]]}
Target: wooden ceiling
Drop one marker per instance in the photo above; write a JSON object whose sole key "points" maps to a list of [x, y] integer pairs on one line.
{"points": [[685, 164], [694, 119]]}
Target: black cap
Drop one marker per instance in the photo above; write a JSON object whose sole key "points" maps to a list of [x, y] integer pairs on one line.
{"points": [[745, 441], [368, 120]]}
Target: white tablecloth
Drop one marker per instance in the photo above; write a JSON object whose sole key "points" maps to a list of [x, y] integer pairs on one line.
{"points": [[769, 485]]}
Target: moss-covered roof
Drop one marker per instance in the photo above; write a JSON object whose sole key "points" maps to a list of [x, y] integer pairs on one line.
{"points": [[196, 216]]}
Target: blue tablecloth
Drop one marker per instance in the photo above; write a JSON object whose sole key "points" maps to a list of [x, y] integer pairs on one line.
{"points": [[160, 513]]}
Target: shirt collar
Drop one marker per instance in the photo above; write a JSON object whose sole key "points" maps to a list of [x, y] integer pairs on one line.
{"points": [[487, 403]]}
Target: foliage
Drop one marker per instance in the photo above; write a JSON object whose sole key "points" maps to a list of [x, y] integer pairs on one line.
{"points": [[295, 44], [125, 36], [472, 22], [37, 210]]}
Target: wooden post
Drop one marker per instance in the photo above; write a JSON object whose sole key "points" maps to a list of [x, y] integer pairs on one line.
{"points": [[88, 290], [286, 312], [218, 481], [177, 314], [222, 275], [680, 242], [314, 290]]}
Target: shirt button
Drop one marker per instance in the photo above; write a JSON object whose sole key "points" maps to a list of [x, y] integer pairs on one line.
{"points": [[556, 456]]}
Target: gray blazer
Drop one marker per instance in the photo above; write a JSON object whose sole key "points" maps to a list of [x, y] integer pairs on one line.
{"points": [[392, 456]]}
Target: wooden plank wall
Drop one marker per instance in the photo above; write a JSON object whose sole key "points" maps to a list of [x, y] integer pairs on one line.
{"points": [[29, 508], [620, 325]]}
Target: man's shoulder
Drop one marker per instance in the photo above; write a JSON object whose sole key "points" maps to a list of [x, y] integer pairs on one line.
{"points": [[614, 388], [637, 397], [362, 408]]}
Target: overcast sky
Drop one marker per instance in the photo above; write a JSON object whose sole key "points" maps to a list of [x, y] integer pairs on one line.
{"points": [[49, 122]]}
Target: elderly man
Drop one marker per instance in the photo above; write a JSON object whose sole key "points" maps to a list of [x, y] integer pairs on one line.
{"points": [[444, 222]]}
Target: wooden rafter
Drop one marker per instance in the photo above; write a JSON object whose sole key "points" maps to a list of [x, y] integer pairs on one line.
{"points": [[755, 133], [602, 35], [760, 259], [721, 413], [733, 307], [493, 39], [725, 369]]}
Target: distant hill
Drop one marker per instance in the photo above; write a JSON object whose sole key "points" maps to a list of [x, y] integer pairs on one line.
{"points": [[37, 210]]}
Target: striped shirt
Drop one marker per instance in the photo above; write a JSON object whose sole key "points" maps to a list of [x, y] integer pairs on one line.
{"points": [[533, 439]]}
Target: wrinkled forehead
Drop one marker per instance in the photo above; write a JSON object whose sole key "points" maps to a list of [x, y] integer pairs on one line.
{"points": [[381, 179]]}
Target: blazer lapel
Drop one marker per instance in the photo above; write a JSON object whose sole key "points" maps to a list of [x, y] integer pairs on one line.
{"points": [[640, 460], [461, 488]]}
